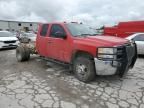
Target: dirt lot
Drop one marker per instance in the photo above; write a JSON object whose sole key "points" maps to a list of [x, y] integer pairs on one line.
{"points": [[41, 84]]}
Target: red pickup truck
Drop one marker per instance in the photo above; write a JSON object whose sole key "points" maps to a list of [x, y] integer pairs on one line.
{"points": [[87, 53]]}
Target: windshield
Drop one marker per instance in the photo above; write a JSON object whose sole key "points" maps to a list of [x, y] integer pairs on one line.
{"points": [[81, 30], [6, 34]]}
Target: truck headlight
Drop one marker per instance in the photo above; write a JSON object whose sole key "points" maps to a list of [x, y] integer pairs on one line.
{"points": [[107, 53]]}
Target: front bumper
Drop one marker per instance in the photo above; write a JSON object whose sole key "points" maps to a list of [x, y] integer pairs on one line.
{"points": [[121, 65], [13, 45], [104, 67]]}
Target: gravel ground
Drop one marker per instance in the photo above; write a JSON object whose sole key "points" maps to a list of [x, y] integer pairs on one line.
{"points": [[41, 84]]}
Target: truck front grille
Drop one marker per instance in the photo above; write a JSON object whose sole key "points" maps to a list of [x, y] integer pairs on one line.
{"points": [[120, 53], [125, 52]]}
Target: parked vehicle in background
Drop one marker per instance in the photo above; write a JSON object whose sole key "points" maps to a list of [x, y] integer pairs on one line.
{"points": [[8, 40], [139, 40], [125, 29], [78, 46], [30, 37]]}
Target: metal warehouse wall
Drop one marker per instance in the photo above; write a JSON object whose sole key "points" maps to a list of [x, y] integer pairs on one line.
{"points": [[3, 25], [16, 25]]}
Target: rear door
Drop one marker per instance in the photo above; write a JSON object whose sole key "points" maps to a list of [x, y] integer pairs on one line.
{"points": [[42, 40], [139, 39]]}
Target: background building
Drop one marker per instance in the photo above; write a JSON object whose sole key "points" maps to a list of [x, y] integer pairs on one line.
{"points": [[17, 25]]}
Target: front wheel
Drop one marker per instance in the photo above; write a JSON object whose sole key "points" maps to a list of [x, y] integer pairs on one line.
{"points": [[84, 69], [22, 54]]}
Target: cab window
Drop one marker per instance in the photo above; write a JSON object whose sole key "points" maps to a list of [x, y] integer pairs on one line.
{"points": [[57, 29], [44, 30]]}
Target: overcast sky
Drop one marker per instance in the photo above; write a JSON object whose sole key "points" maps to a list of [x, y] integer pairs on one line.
{"points": [[93, 12]]}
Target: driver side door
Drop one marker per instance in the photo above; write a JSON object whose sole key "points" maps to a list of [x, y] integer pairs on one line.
{"points": [[57, 47]]}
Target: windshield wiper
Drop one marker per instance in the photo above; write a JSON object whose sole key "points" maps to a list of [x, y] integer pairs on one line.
{"points": [[88, 34], [85, 35], [93, 34], [82, 35]]}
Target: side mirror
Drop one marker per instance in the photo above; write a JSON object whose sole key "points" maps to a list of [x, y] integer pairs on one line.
{"points": [[60, 35]]}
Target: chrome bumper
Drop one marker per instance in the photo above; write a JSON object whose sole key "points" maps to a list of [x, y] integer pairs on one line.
{"points": [[125, 60], [105, 67]]}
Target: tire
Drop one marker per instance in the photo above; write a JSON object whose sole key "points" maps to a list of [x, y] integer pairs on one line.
{"points": [[22, 54], [84, 69], [27, 54]]}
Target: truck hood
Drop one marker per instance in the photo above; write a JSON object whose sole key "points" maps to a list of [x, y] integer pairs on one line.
{"points": [[101, 40], [8, 38]]}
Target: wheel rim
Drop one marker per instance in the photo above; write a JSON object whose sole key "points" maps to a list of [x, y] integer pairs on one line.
{"points": [[82, 70]]}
